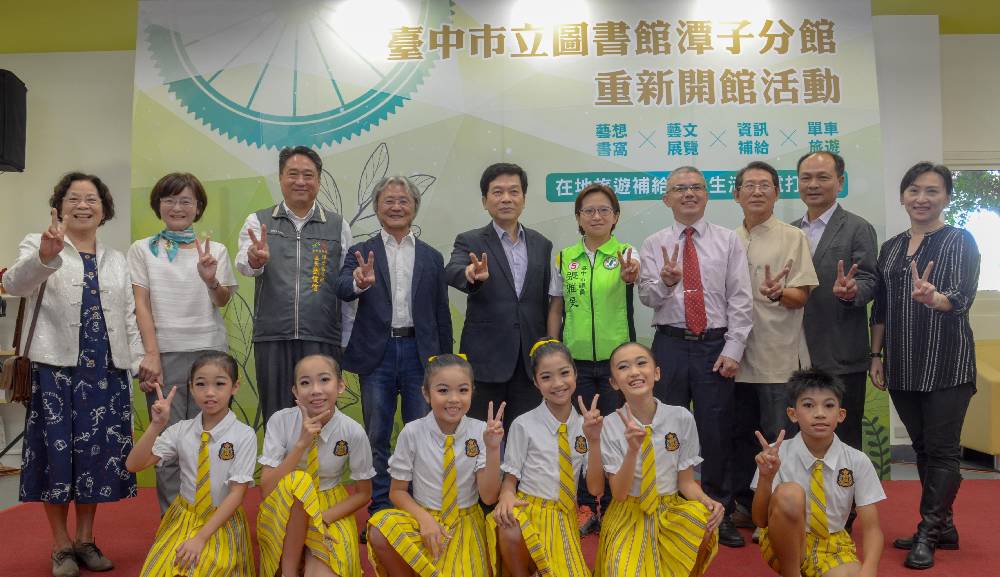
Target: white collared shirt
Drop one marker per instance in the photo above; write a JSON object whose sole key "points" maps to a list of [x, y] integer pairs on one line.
{"points": [[532, 453], [675, 446], [814, 230], [516, 251], [848, 477], [419, 459], [400, 259], [342, 443], [232, 450]]}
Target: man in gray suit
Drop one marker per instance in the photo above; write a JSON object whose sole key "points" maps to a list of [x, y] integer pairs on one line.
{"points": [[505, 269], [844, 250]]}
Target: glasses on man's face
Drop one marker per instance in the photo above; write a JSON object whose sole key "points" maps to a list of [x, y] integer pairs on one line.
{"points": [[294, 175], [171, 202], [87, 200], [764, 187], [590, 211], [684, 188]]}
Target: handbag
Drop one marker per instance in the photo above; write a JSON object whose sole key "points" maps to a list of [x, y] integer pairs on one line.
{"points": [[16, 375]]}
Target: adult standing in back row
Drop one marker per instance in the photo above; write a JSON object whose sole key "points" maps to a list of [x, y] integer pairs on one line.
{"points": [[505, 269]]}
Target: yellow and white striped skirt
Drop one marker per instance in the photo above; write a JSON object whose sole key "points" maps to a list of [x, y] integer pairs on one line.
{"points": [[465, 554], [227, 553], [336, 545], [550, 535], [820, 555], [671, 542]]}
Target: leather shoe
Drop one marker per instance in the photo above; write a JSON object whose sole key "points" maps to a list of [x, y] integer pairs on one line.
{"points": [[729, 535], [921, 555], [88, 555], [947, 540], [64, 564]]}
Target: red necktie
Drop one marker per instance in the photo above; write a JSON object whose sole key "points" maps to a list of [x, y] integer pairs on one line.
{"points": [[694, 297]]}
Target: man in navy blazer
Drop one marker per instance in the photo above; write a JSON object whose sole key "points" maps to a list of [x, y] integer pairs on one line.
{"points": [[505, 269], [402, 319]]}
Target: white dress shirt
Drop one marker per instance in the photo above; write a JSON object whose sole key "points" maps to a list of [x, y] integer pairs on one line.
{"points": [[400, 260], [675, 447], [532, 452], [419, 459], [725, 279], [814, 230], [848, 477], [342, 443], [232, 450]]}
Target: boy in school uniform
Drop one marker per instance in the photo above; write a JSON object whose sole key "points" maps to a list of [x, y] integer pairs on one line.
{"points": [[804, 488]]}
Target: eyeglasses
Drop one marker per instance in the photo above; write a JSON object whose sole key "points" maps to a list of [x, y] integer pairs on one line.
{"points": [[77, 201], [752, 186], [590, 211], [172, 202], [295, 175], [683, 188]]}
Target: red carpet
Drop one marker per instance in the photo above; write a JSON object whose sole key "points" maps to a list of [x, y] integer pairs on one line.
{"points": [[125, 531]]}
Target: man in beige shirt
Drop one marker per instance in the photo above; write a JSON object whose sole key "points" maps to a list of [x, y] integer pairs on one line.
{"points": [[782, 274]]}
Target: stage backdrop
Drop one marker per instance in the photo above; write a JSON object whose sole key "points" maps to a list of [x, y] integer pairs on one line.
{"points": [[575, 91]]}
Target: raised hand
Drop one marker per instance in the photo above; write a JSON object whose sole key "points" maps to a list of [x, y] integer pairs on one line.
{"points": [[311, 426], [634, 434], [208, 266], [504, 511], [845, 287], [258, 254], [767, 459], [493, 435], [629, 268], [478, 270], [53, 239], [923, 290], [772, 286], [159, 412], [593, 422], [671, 272], [364, 273]]}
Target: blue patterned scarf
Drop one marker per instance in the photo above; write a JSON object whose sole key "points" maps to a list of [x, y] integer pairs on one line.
{"points": [[173, 239]]}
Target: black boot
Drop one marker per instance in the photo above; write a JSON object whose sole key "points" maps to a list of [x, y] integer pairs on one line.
{"points": [[940, 488], [947, 538]]}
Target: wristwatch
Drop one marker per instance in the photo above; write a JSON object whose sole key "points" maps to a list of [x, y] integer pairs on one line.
{"points": [[217, 284], [875, 355], [773, 299]]}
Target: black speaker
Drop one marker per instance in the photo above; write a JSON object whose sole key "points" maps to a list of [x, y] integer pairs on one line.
{"points": [[13, 121]]}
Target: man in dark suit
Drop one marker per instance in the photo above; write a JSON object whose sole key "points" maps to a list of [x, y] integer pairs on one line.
{"points": [[403, 318], [844, 250], [505, 269]]}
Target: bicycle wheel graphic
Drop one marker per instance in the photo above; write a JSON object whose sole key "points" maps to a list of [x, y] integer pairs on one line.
{"points": [[283, 73]]}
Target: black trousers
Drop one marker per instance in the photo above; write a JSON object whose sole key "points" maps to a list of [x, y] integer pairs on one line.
{"points": [[855, 387], [934, 422], [592, 378], [275, 363], [686, 377], [519, 392], [757, 407]]}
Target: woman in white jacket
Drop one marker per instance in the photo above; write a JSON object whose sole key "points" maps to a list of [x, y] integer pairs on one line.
{"points": [[78, 425]]}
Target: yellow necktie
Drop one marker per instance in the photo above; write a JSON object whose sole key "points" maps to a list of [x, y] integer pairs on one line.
{"points": [[567, 481], [312, 462], [449, 489], [203, 484], [648, 497], [817, 503]]}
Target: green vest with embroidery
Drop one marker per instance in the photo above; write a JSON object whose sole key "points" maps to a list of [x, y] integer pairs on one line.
{"points": [[597, 305]]}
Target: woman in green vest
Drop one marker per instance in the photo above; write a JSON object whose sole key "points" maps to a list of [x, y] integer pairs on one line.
{"points": [[591, 304]]}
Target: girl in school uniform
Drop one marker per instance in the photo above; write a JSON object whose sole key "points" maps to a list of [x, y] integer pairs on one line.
{"points": [[204, 533], [535, 519], [452, 461], [660, 522], [306, 512]]}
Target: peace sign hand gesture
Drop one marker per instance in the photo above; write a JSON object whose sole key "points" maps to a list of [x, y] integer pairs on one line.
{"points": [[258, 253], [923, 291], [671, 271], [845, 288], [208, 266], [53, 239], [767, 459], [592, 420], [364, 273], [493, 434], [478, 270], [629, 268], [772, 287], [634, 434], [159, 412]]}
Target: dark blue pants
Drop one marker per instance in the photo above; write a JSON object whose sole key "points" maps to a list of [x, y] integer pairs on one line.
{"points": [[757, 407], [400, 375], [592, 379]]}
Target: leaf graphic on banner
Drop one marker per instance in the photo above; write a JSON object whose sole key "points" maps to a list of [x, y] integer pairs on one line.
{"points": [[330, 197], [422, 182], [375, 170]]}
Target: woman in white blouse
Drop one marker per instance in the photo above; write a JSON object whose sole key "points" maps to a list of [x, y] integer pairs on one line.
{"points": [[180, 285]]}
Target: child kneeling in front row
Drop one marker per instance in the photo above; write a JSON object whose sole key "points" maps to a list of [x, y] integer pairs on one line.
{"points": [[204, 533], [804, 488], [452, 461]]}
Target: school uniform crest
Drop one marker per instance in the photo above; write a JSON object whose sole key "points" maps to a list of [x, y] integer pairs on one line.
{"points": [[581, 444], [226, 452], [471, 448], [341, 448], [672, 442], [845, 478]]}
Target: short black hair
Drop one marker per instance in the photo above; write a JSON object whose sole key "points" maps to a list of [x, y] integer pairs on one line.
{"points": [[648, 350], [334, 365], [173, 184], [597, 188], [62, 188], [923, 167], [444, 361], [812, 379], [546, 347], [494, 170], [305, 151], [759, 165], [838, 160]]}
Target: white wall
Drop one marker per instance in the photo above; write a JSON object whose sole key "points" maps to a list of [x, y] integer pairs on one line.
{"points": [[970, 82]]}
